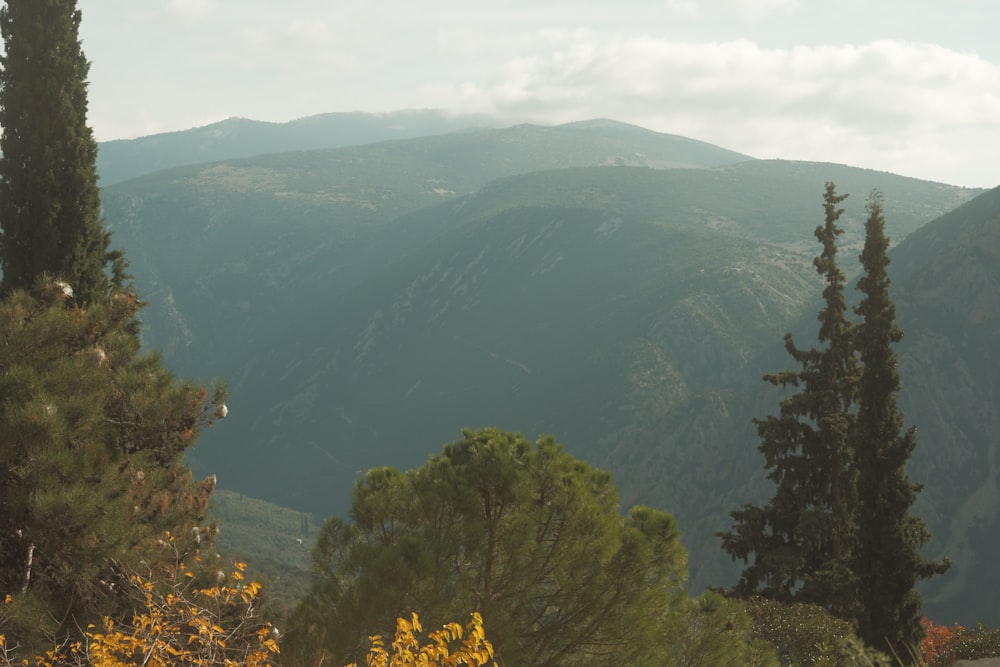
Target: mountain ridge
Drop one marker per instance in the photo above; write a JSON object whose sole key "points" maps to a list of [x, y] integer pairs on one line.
{"points": [[236, 138]]}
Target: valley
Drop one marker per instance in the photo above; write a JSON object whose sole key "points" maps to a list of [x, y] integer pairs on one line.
{"points": [[620, 289]]}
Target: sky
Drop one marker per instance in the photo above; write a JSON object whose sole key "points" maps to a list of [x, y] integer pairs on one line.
{"points": [[906, 86]]}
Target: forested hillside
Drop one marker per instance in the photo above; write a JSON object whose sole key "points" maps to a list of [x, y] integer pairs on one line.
{"points": [[640, 366], [948, 284], [365, 303]]}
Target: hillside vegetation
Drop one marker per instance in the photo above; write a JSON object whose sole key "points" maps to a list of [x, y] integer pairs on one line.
{"points": [[622, 288], [512, 277]]}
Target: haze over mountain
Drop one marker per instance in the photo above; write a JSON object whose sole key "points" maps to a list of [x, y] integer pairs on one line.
{"points": [[619, 288]]}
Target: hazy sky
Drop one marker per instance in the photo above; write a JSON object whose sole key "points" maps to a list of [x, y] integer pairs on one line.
{"points": [[908, 86]]}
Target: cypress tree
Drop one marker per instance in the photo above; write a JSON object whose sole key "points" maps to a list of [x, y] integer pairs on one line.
{"points": [[49, 205], [801, 540], [888, 559]]}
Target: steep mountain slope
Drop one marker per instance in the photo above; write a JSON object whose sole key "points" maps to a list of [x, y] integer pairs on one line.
{"points": [[227, 251], [763, 200], [213, 242], [947, 277], [366, 303], [532, 319]]}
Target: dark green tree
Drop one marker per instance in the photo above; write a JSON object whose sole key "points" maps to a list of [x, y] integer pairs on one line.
{"points": [[800, 542], [92, 431], [524, 533], [888, 560], [49, 205], [92, 438]]}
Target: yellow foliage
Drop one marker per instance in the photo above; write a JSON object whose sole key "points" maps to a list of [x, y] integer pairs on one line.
{"points": [[444, 648], [183, 626]]}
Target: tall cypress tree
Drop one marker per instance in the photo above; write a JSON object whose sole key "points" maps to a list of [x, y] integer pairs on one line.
{"points": [[92, 431], [801, 540], [49, 206], [888, 560]]}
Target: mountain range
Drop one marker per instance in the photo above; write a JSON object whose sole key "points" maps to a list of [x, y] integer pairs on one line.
{"points": [[366, 294]]}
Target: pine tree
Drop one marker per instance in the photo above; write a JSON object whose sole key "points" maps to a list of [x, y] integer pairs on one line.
{"points": [[801, 540], [888, 561], [49, 205], [92, 439], [523, 532]]}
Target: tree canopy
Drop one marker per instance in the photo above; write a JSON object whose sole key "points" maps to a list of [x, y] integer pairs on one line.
{"points": [[92, 431], [49, 200], [838, 531], [800, 540], [92, 439], [521, 532], [888, 559]]}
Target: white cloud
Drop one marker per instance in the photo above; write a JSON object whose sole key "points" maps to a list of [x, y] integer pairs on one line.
{"points": [[751, 75], [747, 9], [758, 8], [877, 104], [190, 12], [297, 52]]}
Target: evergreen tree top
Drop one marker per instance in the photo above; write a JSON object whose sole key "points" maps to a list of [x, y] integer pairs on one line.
{"points": [[49, 199]]}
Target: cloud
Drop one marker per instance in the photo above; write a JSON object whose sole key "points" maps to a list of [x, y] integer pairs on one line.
{"points": [[191, 12], [748, 9], [881, 104], [298, 51], [745, 74]]}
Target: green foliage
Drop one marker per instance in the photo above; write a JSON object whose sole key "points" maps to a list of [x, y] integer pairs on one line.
{"points": [[92, 437], [49, 204], [806, 634], [975, 643], [720, 631], [888, 560], [523, 532], [801, 540], [838, 531]]}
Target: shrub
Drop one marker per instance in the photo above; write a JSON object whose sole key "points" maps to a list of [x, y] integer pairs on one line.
{"points": [[450, 646], [806, 634], [719, 631], [979, 642], [937, 646], [176, 623]]}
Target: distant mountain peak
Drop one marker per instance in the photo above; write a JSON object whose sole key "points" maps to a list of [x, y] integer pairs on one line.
{"points": [[601, 124]]}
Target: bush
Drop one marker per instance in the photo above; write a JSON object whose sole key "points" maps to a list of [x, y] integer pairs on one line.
{"points": [[450, 646], [177, 622], [806, 634], [937, 646], [979, 642], [720, 632]]}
